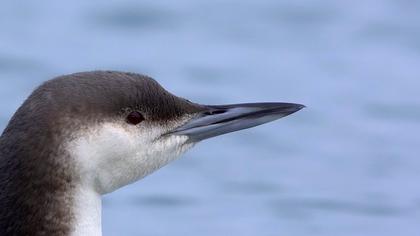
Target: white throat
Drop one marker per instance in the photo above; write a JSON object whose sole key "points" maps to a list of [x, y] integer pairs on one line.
{"points": [[112, 155], [87, 208]]}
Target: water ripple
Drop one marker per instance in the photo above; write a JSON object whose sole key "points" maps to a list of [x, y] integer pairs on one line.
{"points": [[134, 18], [162, 201], [303, 206]]}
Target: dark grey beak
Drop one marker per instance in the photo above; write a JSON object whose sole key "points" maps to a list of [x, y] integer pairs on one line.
{"points": [[218, 120]]}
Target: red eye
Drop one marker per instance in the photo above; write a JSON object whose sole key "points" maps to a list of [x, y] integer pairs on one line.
{"points": [[135, 118]]}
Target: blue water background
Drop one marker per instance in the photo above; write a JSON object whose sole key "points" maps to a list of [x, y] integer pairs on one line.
{"points": [[348, 164]]}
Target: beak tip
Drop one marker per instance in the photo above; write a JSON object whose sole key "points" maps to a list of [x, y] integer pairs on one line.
{"points": [[300, 107], [295, 107]]}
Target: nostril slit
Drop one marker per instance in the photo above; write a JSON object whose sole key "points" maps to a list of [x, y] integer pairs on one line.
{"points": [[214, 112]]}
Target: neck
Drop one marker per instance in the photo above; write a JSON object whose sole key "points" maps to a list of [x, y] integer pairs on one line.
{"points": [[33, 202], [87, 212], [40, 194], [36, 192]]}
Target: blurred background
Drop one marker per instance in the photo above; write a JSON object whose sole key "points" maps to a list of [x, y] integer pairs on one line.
{"points": [[348, 164]]}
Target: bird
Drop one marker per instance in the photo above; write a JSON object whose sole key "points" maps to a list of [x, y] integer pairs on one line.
{"points": [[83, 135]]}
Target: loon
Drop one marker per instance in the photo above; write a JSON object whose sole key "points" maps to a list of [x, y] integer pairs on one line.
{"points": [[83, 135]]}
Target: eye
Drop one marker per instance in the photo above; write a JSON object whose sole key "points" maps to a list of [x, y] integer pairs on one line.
{"points": [[135, 118]]}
